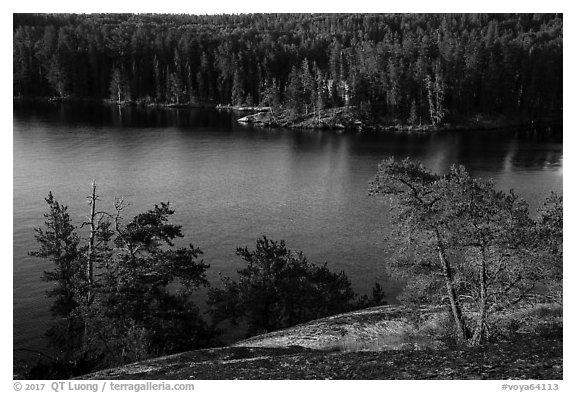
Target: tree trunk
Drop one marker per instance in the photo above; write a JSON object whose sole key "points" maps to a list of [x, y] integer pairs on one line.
{"points": [[459, 321], [431, 107], [480, 330], [90, 259]]}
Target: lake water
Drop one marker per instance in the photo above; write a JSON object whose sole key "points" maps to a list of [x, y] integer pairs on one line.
{"points": [[231, 183]]}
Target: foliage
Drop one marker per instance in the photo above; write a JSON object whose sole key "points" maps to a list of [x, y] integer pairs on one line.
{"points": [[119, 87], [145, 288], [549, 234], [59, 243], [543, 319], [378, 298], [459, 237], [135, 303], [422, 232], [403, 67], [279, 288]]}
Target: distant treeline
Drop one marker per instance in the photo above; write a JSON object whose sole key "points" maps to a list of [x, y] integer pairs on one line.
{"points": [[414, 68]]}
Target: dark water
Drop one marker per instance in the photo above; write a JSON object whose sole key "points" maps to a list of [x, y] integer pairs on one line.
{"points": [[230, 184]]}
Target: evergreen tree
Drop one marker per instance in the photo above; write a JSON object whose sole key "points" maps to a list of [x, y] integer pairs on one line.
{"points": [[59, 243], [157, 78], [308, 87], [58, 76], [279, 288], [119, 88], [175, 88], [122, 306], [271, 95], [295, 93], [460, 237], [237, 90]]}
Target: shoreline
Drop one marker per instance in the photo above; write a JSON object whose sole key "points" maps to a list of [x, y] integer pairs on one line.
{"points": [[341, 119], [344, 119]]}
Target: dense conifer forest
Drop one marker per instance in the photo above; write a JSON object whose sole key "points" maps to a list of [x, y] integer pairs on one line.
{"points": [[408, 68]]}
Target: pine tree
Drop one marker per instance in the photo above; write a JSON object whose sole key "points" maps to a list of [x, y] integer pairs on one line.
{"points": [[122, 306], [237, 90], [58, 76], [278, 288], [295, 92], [119, 88], [460, 237], [435, 89], [60, 244], [157, 78], [308, 86], [412, 189], [175, 88]]}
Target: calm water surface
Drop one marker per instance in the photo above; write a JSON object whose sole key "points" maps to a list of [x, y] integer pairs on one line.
{"points": [[230, 184]]}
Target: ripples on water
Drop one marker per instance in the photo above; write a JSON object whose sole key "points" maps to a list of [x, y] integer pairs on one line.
{"points": [[230, 183]]}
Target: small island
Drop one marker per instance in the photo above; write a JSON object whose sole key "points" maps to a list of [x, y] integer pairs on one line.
{"points": [[345, 119]]}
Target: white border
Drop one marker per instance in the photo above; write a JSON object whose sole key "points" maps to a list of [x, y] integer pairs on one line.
{"points": [[266, 6]]}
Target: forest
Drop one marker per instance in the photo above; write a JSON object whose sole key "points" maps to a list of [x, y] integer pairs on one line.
{"points": [[404, 68]]}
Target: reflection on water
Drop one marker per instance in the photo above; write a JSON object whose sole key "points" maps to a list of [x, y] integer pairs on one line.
{"points": [[231, 183]]}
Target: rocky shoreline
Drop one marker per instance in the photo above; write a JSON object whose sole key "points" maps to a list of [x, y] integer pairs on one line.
{"points": [[344, 119], [341, 119]]}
